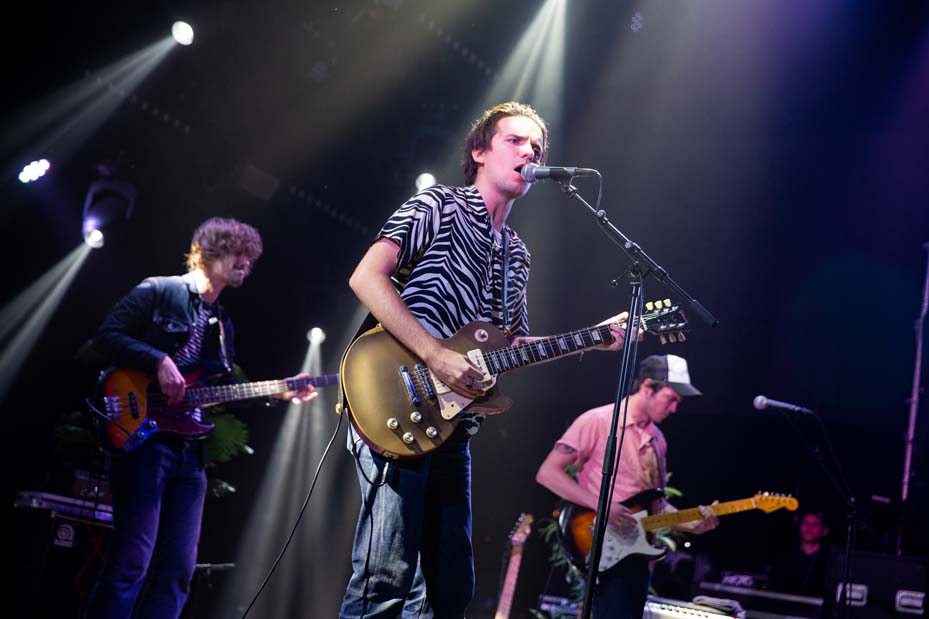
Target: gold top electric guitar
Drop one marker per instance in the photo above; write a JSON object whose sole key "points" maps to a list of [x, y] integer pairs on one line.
{"points": [[402, 410]]}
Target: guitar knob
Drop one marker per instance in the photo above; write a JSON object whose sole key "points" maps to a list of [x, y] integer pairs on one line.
{"points": [[431, 432], [407, 437], [416, 417], [392, 423]]}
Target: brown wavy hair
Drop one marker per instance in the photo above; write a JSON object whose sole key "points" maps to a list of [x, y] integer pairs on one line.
{"points": [[484, 128], [218, 237]]}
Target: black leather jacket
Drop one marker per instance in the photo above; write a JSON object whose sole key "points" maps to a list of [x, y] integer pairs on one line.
{"points": [[154, 320]]}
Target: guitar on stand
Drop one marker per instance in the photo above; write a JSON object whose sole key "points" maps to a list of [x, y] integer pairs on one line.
{"points": [[134, 409], [517, 540]]}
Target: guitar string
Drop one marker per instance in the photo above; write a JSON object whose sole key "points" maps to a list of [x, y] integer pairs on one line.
{"points": [[502, 357], [256, 389]]}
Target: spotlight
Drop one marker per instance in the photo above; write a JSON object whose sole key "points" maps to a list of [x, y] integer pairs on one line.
{"points": [[34, 171], [93, 237], [424, 180], [109, 200], [316, 335], [182, 32]]}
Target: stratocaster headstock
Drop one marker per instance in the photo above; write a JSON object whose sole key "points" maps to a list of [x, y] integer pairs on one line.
{"points": [[769, 502], [521, 529]]}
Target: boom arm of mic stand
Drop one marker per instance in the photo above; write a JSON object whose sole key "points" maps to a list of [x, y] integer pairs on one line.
{"points": [[636, 255]]}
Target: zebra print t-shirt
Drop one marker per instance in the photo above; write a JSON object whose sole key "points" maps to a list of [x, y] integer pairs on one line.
{"points": [[450, 263]]}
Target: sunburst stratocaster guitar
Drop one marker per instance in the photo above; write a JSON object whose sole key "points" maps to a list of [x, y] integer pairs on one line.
{"points": [[576, 526], [135, 409], [517, 541], [402, 410]]}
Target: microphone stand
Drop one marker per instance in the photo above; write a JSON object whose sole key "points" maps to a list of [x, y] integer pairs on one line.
{"points": [[841, 485], [636, 257]]}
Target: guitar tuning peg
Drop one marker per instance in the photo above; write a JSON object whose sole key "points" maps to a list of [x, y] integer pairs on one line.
{"points": [[662, 338], [672, 337], [681, 337], [667, 302], [650, 306]]}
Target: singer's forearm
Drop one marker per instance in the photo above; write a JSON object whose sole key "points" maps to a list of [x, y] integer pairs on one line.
{"points": [[372, 285]]}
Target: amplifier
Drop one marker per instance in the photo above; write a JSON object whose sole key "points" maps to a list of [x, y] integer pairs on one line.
{"points": [[764, 604], [655, 608], [93, 511], [880, 586], [665, 608]]}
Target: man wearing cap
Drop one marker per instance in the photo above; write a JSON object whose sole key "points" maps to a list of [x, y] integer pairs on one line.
{"points": [[663, 381]]}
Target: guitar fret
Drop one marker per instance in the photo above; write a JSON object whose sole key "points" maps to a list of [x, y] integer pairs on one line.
{"points": [[243, 391]]}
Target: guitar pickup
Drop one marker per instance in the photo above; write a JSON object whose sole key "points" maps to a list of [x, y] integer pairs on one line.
{"points": [[133, 405], [477, 358], [410, 387], [423, 372]]}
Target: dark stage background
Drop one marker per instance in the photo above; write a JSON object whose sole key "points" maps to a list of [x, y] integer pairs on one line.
{"points": [[771, 155]]}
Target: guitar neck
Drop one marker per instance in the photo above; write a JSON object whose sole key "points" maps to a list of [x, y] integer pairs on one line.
{"points": [[201, 396], [509, 584], [667, 519], [545, 349]]}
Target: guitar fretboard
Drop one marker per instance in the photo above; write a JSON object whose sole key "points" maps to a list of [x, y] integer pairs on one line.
{"points": [[509, 584], [512, 357], [660, 521], [201, 396]]}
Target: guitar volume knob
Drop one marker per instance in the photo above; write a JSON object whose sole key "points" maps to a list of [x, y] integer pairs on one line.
{"points": [[392, 423]]}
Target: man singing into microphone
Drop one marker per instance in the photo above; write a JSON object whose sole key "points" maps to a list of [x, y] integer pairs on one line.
{"points": [[447, 246], [662, 383]]}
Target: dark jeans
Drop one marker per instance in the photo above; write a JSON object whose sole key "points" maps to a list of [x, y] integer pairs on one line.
{"points": [[622, 590], [413, 533], [158, 492]]}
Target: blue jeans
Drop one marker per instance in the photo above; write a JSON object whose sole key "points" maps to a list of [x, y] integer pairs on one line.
{"points": [[158, 492], [622, 590], [412, 554]]}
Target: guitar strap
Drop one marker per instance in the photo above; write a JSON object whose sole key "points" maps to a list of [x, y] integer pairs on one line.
{"points": [[223, 353], [506, 279]]}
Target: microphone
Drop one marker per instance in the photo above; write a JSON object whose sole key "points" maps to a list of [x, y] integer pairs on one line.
{"points": [[532, 172], [762, 403]]}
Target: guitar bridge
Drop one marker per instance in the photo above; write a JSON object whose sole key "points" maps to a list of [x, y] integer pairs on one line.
{"points": [[423, 373], [111, 404]]}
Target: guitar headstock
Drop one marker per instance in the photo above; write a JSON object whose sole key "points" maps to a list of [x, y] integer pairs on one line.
{"points": [[665, 320], [769, 502], [521, 529]]}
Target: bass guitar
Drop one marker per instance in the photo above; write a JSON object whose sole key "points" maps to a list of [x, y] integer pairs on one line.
{"points": [[575, 526], [134, 409], [402, 410]]}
